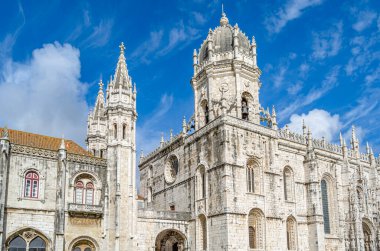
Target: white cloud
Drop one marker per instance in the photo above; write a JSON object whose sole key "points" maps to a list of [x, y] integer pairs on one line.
{"points": [[366, 104], [145, 50], [278, 78], [9, 40], [327, 43], [45, 94], [320, 122], [373, 76], [199, 18], [364, 52], [100, 35], [179, 36], [314, 94], [364, 20], [290, 11], [294, 89]]}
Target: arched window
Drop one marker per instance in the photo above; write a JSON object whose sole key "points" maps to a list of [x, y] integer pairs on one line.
{"points": [[101, 153], [247, 108], [205, 114], [124, 131], [31, 187], [201, 180], [253, 177], [244, 109], [37, 244], [203, 232], [115, 131], [85, 189], [83, 245], [89, 193], [79, 187], [256, 229], [291, 234], [17, 244], [325, 206], [288, 184]]}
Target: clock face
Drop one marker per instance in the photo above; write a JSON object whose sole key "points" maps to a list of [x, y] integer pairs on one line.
{"points": [[171, 169]]}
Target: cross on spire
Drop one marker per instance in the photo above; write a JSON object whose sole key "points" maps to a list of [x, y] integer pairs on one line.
{"points": [[122, 48]]}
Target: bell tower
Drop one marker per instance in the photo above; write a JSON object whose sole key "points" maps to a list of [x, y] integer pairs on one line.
{"points": [[226, 76], [121, 118]]}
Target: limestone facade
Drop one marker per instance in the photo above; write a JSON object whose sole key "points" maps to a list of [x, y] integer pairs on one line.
{"points": [[231, 180]]}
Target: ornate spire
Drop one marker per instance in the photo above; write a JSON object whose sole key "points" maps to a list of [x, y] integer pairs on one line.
{"points": [[354, 139], [121, 73], [224, 19], [99, 104]]}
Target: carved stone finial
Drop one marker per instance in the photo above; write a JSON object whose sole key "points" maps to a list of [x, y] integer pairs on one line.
{"points": [[62, 146], [171, 134], [162, 139], [224, 19], [184, 125], [5, 134]]}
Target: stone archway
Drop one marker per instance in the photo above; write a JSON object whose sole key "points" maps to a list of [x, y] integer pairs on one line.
{"points": [[171, 240]]}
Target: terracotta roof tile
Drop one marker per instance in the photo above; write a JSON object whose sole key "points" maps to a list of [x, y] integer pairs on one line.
{"points": [[43, 142]]}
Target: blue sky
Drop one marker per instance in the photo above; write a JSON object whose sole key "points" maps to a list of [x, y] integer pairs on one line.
{"points": [[320, 62]]}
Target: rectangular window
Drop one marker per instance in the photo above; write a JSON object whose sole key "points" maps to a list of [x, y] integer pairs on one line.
{"points": [[325, 206], [89, 196], [79, 196], [203, 185], [27, 188], [35, 189]]}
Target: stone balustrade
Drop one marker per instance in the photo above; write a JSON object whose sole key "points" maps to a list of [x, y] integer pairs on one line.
{"points": [[84, 210]]}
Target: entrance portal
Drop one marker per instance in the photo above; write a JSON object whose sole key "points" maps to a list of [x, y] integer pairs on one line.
{"points": [[170, 240]]}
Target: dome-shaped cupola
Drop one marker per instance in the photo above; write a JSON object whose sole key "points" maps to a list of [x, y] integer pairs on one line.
{"points": [[223, 40]]}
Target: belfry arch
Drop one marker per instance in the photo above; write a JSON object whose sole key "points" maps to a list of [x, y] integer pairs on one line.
{"points": [[171, 240]]}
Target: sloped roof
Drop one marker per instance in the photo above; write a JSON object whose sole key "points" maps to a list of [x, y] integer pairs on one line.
{"points": [[43, 142]]}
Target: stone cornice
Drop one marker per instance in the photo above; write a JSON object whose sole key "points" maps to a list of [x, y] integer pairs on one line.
{"points": [[43, 153]]}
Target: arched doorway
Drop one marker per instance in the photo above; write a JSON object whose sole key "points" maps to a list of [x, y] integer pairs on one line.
{"points": [[170, 240]]}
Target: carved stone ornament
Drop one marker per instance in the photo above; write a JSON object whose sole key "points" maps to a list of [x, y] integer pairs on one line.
{"points": [[29, 235]]}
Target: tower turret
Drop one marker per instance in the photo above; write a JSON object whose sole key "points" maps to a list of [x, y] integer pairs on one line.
{"points": [[226, 76], [120, 113]]}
